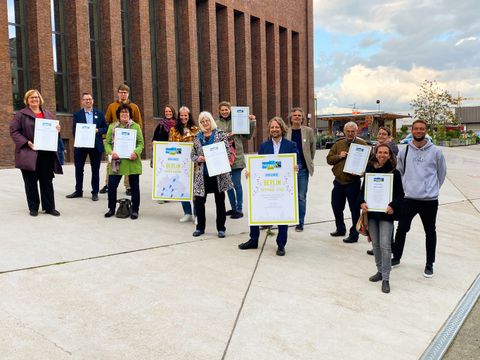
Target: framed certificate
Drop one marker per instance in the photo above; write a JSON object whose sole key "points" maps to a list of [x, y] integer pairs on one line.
{"points": [[216, 158], [125, 142], [45, 135], [172, 171], [357, 159], [272, 189], [85, 135], [240, 120], [378, 191]]}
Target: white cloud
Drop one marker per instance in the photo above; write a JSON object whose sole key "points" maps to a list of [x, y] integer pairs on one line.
{"points": [[461, 41]]}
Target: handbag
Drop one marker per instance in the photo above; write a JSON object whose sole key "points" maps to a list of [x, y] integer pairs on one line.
{"points": [[125, 208], [362, 224], [233, 153]]}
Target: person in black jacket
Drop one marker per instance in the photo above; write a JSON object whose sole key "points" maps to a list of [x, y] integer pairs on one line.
{"points": [[380, 224]]}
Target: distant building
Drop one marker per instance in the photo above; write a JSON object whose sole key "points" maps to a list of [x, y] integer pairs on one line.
{"points": [[469, 116], [180, 52]]}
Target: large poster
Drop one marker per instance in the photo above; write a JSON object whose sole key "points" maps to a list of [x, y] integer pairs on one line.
{"points": [[272, 189], [172, 171]]}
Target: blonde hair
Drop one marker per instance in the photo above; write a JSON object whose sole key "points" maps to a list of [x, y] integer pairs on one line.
{"points": [[30, 93], [280, 122], [206, 114]]}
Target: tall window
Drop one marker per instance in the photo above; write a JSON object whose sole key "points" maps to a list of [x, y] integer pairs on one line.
{"points": [[59, 55], [153, 47], [95, 52], [18, 53], [125, 41]]}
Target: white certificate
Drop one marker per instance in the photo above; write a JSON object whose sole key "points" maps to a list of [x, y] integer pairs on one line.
{"points": [[46, 135], [216, 158], [378, 191], [172, 171], [357, 159], [240, 120], [272, 189], [85, 135], [125, 142]]}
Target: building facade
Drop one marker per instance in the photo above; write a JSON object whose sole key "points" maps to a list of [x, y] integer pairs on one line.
{"points": [[469, 116], [180, 52]]}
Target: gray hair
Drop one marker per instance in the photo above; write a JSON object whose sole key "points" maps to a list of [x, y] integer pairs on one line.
{"points": [[351, 124], [206, 114]]}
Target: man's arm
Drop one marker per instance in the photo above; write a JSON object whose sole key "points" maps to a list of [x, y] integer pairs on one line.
{"points": [[441, 168]]}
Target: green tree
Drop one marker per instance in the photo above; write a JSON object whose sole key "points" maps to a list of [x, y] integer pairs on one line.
{"points": [[434, 105]]}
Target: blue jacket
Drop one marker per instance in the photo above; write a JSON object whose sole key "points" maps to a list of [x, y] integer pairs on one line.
{"points": [[286, 147], [98, 119]]}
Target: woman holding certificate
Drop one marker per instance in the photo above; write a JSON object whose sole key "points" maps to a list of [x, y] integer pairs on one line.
{"points": [[203, 182], [184, 131], [381, 196], [124, 145], [38, 165]]}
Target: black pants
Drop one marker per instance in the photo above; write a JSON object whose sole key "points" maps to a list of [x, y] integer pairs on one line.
{"points": [[340, 194], [211, 186], [43, 174], [80, 156], [113, 181], [428, 214]]}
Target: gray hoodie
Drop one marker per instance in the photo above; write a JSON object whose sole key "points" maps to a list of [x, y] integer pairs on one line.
{"points": [[424, 173]]}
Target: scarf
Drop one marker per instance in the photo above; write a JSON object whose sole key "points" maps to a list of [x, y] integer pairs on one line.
{"points": [[204, 142], [167, 124], [116, 162]]}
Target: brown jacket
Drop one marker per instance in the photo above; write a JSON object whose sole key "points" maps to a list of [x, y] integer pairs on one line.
{"points": [[22, 130], [333, 158], [111, 114]]}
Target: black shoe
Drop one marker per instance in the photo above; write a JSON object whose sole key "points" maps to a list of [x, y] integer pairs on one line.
{"points": [[236, 215], [428, 272], [281, 251], [198, 233], [299, 228], [395, 262], [376, 277], [104, 190], [128, 192], [385, 286], [370, 252], [53, 212], [350, 240], [94, 197], [74, 195], [134, 215], [33, 212], [337, 233], [229, 212], [250, 244], [109, 213]]}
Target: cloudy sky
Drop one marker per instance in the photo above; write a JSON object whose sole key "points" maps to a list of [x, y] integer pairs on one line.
{"points": [[384, 49]]}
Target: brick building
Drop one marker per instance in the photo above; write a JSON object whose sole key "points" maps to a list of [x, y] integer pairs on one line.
{"points": [[179, 52]]}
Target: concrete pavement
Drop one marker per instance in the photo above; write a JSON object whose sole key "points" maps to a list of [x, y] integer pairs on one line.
{"points": [[81, 286]]}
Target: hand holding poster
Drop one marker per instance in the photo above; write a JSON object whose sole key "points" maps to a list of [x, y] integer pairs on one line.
{"points": [[125, 142], [240, 120], [45, 134], [85, 135], [172, 171], [357, 159], [272, 189]]}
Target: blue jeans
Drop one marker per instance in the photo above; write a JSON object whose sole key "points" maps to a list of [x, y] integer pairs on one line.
{"points": [[302, 179], [187, 207], [381, 235], [235, 195]]}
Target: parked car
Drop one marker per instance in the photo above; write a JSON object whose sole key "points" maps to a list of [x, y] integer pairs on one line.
{"points": [[409, 138]]}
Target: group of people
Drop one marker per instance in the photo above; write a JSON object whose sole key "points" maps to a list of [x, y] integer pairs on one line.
{"points": [[419, 170], [415, 191]]}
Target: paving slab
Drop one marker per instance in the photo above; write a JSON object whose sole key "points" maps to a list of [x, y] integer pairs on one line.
{"points": [[81, 286]]}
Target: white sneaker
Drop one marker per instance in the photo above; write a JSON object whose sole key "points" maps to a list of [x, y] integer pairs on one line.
{"points": [[186, 218]]}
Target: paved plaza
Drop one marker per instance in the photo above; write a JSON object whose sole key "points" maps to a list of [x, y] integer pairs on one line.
{"points": [[84, 287]]}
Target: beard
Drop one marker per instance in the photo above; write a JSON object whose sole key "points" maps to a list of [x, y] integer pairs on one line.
{"points": [[419, 138]]}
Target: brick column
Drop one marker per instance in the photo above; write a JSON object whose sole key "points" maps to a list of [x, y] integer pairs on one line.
{"points": [[40, 52], [6, 100], [285, 72], [226, 54], [273, 69], [110, 42], [79, 66], [187, 37], [207, 56], [142, 66]]}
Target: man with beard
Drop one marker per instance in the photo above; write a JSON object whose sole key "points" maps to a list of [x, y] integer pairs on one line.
{"points": [[423, 169]]}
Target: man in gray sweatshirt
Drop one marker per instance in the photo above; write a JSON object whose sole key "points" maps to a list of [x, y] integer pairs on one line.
{"points": [[423, 169]]}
